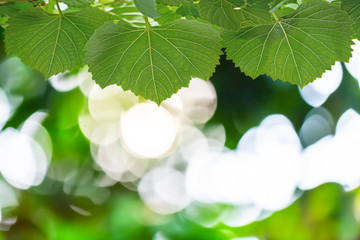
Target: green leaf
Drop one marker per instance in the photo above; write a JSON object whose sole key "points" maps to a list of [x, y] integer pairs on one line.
{"points": [[189, 10], [52, 43], [12, 9], [284, 7], [130, 14], [286, 10], [166, 15], [174, 2], [147, 7], [276, 4], [154, 62], [78, 3], [336, 2], [3, 20], [352, 7], [296, 49], [232, 14]]}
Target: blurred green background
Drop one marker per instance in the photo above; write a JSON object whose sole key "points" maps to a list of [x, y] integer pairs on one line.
{"points": [[75, 199]]}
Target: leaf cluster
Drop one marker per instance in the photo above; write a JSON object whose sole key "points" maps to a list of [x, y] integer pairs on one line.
{"points": [[155, 47]]}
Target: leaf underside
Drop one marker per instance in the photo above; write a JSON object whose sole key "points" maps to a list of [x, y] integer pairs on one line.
{"points": [[129, 13], [155, 62], [12, 9], [352, 7], [78, 3], [174, 2], [233, 14], [297, 49], [52, 43], [147, 7]]}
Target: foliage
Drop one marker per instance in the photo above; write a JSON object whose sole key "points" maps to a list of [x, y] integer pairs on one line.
{"points": [[52, 43], [295, 41], [78, 3], [148, 7], [234, 15], [353, 9], [296, 49], [157, 53]]}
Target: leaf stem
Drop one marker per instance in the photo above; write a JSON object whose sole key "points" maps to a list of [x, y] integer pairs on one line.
{"points": [[277, 6], [58, 6], [275, 17], [147, 22]]}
